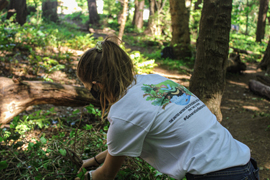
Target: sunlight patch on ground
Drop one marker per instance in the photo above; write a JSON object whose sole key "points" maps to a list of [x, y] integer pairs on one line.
{"points": [[253, 108], [171, 74], [238, 83], [267, 165]]}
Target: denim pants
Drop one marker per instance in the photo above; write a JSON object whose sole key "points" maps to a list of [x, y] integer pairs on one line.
{"points": [[249, 171]]}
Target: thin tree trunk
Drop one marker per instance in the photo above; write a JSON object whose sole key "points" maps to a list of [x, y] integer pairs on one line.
{"points": [[260, 32], [138, 14], [188, 6], [208, 79], [49, 10], [246, 33], [93, 15], [151, 20], [180, 29], [18, 7], [15, 98], [123, 21]]}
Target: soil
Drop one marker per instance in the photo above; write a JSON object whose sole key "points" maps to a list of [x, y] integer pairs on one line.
{"points": [[245, 115]]}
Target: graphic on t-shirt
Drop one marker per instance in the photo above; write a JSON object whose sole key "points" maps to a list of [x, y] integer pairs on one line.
{"points": [[166, 92]]}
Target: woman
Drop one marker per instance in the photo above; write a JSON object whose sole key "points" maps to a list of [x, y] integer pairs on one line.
{"points": [[160, 121]]}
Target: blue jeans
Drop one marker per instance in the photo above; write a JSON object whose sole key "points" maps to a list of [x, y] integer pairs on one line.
{"points": [[249, 171]]}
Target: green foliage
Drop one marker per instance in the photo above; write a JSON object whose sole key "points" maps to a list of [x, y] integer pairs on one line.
{"points": [[57, 154], [142, 64]]}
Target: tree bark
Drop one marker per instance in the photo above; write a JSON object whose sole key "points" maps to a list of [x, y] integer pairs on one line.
{"points": [[260, 32], [49, 10], [265, 63], [16, 97], [20, 8], [3, 4], [259, 88], [138, 14], [208, 79], [123, 21], [93, 15], [180, 29]]}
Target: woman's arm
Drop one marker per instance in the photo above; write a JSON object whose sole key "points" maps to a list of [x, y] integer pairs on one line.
{"points": [[109, 169]]}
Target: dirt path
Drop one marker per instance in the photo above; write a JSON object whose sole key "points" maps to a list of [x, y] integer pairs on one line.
{"points": [[245, 115]]}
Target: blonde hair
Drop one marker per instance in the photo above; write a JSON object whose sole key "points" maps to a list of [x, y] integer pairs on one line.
{"points": [[111, 67]]}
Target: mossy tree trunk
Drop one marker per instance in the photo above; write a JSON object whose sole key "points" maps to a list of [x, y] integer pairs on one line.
{"points": [[260, 32], [49, 10], [180, 29], [93, 15], [16, 97], [208, 79], [138, 14], [20, 8]]}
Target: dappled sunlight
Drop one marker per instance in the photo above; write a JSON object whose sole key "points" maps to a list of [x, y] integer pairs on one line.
{"points": [[238, 83], [253, 108], [267, 165]]}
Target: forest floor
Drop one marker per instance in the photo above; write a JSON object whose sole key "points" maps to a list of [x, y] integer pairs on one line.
{"points": [[245, 115]]}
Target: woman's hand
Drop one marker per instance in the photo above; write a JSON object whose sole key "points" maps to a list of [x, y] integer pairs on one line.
{"points": [[88, 163]]}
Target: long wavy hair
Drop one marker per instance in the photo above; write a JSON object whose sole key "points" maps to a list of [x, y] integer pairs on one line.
{"points": [[111, 67]]}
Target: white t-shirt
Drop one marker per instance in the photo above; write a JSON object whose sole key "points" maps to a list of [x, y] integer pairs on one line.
{"points": [[171, 129]]}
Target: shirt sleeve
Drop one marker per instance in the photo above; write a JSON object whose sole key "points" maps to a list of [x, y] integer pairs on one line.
{"points": [[125, 138]]}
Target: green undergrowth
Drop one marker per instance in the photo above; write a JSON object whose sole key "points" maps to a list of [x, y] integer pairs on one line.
{"points": [[44, 145]]}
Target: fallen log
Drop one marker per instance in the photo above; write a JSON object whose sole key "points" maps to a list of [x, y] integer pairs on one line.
{"points": [[236, 50], [263, 79], [259, 88], [16, 96]]}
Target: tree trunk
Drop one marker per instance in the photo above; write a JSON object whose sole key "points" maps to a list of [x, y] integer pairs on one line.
{"points": [[49, 10], [123, 21], [93, 15], [180, 29], [15, 98], [138, 14], [265, 63], [18, 7], [188, 6], [151, 21], [208, 79], [259, 88], [260, 32], [247, 12], [3, 4]]}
